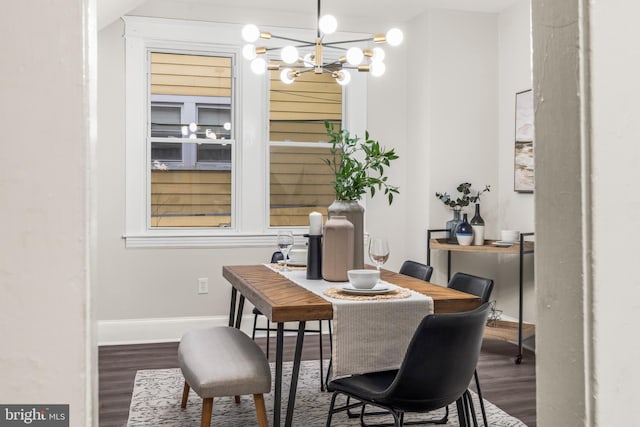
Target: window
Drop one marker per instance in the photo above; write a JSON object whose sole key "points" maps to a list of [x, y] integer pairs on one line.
{"points": [[300, 181], [191, 140], [215, 156]]}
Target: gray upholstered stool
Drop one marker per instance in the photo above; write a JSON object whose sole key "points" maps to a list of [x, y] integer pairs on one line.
{"points": [[223, 361]]}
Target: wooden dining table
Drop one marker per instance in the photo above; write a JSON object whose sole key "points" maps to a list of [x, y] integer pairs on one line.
{"points": [[282, 300]]}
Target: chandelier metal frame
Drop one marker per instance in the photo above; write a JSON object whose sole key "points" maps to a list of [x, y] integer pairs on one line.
{"points": [[355, 58]]}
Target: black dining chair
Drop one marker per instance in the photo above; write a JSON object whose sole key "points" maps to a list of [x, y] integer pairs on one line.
{"points": [[408, 268], [277, 256], [417, 270], [482, 288], [436, 370]]}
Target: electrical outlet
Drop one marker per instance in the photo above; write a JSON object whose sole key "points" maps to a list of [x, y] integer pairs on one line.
{"points": [[203, 285]]}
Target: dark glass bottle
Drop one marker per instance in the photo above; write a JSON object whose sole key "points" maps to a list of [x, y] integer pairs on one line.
{"points": [[452, 225], [464, 232], [477, 223]]}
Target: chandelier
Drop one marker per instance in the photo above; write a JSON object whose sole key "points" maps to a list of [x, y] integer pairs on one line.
{"points": [[308, 56]]}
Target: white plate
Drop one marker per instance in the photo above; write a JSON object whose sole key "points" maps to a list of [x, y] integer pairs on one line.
{"points": [[292, 263], [503, 243], [376, 290]]}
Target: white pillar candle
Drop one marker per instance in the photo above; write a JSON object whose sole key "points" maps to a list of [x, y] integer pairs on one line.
{"points": [[315, 224]]}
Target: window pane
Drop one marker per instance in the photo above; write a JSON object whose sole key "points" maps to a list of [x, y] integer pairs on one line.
{"points": [[191, 99], [215, 119], [214, 153], [190, 198], [297, 111], [165, 121], [300, 182]]}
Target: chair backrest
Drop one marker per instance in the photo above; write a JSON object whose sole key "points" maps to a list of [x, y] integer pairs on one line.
{"points": [[440, 361], [473, 285], [417, 270], [277, 256]]}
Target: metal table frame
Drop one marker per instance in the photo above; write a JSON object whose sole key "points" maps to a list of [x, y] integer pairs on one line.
{"points": [[522, 253]]}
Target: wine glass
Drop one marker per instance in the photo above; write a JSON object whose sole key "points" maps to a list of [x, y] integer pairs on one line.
{"points": [[285, 242], [378, 251]]}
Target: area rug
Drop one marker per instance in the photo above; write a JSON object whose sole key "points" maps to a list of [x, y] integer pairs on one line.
{"points": [[157, 394]]}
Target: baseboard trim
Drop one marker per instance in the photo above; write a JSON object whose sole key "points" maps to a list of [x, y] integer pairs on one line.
{"points": [[155, 330]]}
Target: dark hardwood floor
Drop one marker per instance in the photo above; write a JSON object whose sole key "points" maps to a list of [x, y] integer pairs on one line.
{"points": [[511, 387]]}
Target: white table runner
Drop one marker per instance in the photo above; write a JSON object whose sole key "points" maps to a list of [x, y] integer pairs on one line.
{"points": [[368, 336]]}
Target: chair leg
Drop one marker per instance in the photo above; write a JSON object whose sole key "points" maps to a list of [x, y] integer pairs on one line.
{"points": [[462, 412], [326, 381], [255, 322], [331, 406], [185, 395], [237, 399], [268, 336], [207, 411], [484, 414], [321, 358], [472, 410], [261, 411]]}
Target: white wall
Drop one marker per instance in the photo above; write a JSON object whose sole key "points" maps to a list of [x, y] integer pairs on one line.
{"points": [[588, 289], [461, 128], [463, 109], [47, 82], [615, 152], [453, 126], [515, 210]]}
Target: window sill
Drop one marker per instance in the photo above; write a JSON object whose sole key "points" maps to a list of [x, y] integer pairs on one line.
{"points": [[202, 241]]}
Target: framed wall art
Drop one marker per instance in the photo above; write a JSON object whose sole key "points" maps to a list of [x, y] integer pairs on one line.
{"points": [[523, 171]]}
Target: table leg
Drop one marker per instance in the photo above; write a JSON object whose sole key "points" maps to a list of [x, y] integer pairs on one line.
{"points": [[232, 306], [448, 266], [240, 309], [294, 374], [519, 357], [277, 397]]}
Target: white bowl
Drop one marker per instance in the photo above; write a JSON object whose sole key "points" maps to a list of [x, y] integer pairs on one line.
{"points": [[510, 235], [298, 255], [363, 279]]}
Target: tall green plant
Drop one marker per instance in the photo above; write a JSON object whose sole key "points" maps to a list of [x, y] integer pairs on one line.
{"points": [[358, 167]]}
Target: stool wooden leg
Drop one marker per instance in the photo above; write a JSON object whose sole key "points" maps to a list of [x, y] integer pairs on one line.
{"points": [[237, 399], [185, 395], [207, 411], [261, 411]]}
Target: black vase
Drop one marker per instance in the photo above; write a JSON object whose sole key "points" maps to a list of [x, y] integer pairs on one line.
{"points": [[451, 226], [477, 223], [464, 232]]}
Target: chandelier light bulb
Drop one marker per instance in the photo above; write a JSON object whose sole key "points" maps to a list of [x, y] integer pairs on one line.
{"points": [[249, 52], [285, 77], [394, 37], [344, 77], [184, 130], [328, 24], [355, 56], [250, 33], [289, 54], [259, 66], [227, 126], [193, 127], [378, 54], [377, 69]]}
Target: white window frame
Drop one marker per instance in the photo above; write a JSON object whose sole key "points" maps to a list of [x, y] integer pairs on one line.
{"points": [[250, 161]]}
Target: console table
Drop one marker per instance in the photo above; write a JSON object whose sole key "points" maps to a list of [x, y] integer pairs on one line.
{"points": [[522, 248]]}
